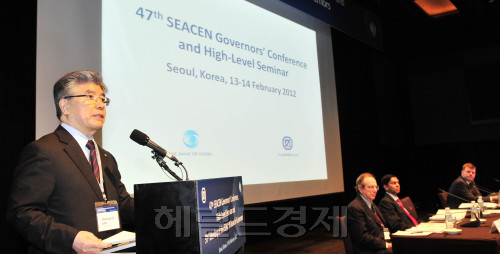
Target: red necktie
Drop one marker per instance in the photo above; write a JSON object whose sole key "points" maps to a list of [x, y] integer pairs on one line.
{"points": [[93, 158], [407, 213], [376, 215]]}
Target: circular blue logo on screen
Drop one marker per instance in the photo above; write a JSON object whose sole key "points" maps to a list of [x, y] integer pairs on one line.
{"points": [[190, 139], [287, 143]]}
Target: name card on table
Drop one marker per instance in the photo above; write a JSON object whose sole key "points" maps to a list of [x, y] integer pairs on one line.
{"points": [[495, 226]]}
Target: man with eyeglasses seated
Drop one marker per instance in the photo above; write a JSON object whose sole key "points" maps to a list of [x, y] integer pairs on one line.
{"points": [[365, 224], [397, 215], [67, 192]]}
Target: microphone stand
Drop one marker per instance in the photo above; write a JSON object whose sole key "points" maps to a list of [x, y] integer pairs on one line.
{"points": [[483, 189], [182, 165], [453, 195], [164, 165]]}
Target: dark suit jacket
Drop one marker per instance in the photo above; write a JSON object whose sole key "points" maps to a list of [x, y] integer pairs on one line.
{"points": [[460, 188], [54, 192], [366, 234], [394, 215]]}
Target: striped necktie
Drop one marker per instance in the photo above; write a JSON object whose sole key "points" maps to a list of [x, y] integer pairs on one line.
{"points": [[93, 159], [376, 215]]}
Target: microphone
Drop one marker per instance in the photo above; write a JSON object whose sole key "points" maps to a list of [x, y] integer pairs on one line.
{"points": [[143, 139], [468, 201], [474, 224], [483, 189], [496, 180]]}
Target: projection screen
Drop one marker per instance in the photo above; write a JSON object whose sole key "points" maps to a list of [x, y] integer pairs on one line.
{"points": [[228, 87]]}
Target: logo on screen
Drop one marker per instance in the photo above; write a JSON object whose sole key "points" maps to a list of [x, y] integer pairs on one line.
{"points": [[190, 139], [287, 143], [203, 195]]}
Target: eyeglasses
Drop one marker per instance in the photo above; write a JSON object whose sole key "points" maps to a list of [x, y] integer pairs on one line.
{"points": [[91, 98], [372, 187]]}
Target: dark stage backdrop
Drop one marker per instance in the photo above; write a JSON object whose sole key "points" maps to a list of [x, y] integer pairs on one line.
{"points": [[17, 104], [397, 111]]}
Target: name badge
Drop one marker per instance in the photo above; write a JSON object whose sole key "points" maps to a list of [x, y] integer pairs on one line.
{"points": [[107, 215], [387, 234]]}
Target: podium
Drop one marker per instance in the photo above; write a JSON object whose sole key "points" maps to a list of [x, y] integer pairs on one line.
{"points": [[201, 216]]}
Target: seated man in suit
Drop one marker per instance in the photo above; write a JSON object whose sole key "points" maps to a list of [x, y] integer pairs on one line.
{"points": [[365, 223], [396, 214], [465, 187]]}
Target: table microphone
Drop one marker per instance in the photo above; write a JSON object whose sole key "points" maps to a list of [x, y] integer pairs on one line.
{"points": [[483, 189], [473, 224], [468, 201]]}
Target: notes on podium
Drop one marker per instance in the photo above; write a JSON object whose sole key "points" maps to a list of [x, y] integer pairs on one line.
{"points": [[120, 241]]}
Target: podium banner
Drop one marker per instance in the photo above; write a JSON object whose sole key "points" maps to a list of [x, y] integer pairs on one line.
{"points": [[220, 215]]}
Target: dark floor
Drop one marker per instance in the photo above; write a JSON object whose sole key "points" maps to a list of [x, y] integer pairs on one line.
{"points": [[318, 241]]}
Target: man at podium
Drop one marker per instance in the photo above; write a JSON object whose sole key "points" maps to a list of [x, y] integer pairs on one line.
{"points": [[67, 192]]}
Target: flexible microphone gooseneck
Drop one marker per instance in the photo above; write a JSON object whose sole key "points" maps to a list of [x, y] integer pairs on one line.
{"points": [[439, 189]]}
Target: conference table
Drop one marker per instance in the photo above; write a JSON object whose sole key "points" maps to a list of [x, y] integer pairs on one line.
{"points": [[477, 240]]}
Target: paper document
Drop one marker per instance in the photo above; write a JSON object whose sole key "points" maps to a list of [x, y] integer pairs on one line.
{"points": [[120, 241], [433, 227], [410, 233], [491, 211], [458, 214], [453, 211], [123, 236], [488, 205]]}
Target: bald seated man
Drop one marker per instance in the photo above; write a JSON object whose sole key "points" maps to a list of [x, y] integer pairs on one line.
{"points": [[365, 223]]}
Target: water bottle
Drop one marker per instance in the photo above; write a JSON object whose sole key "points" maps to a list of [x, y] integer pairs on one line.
{"points": [[473, 211], [448, 218], [480, 204]]}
